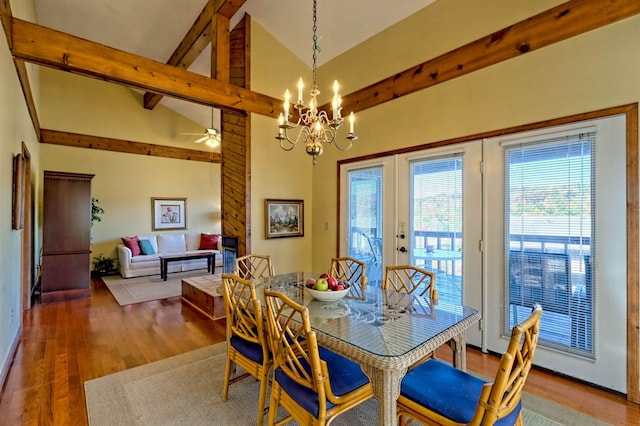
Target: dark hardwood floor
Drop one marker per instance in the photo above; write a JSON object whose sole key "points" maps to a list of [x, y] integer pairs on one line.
{"points": [[65, 344]]}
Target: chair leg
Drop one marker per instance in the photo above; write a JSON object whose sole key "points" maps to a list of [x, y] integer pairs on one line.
{"points": [[273, 403], [519, 421], [227, 377], [264, 384]]}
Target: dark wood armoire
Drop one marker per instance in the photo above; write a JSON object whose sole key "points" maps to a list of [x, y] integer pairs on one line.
{"points": [[66, 240]]}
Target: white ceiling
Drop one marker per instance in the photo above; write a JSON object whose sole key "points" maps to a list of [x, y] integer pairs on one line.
{"points": [[153, 28]]}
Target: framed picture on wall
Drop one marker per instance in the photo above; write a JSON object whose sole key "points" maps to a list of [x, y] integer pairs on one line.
{"points": [[168, 213], [284, 218]]}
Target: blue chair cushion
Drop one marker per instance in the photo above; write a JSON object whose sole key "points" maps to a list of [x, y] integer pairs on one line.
{"points": [[345, 376], [447, 391], [251, 350]]}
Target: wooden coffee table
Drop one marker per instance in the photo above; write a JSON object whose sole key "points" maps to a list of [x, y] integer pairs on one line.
{"points": [[205, 294], [165, 259]]}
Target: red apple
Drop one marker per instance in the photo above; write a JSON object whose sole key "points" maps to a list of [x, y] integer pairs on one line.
{"points": [[332, 283], [310, 282], [340, 287], [325, 276]]}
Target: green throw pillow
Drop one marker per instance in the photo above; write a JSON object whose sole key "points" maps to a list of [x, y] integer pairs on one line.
{"points": [[146, 247]]}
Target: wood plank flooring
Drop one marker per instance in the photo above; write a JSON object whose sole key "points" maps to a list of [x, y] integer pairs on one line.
{"points": [[65, 344]]}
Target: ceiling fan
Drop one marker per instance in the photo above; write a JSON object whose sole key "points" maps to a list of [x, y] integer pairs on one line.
{"points": [[211, 135]]}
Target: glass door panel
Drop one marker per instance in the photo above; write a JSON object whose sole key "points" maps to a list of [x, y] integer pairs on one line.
{"points": [[365, 219], [435, 222]]}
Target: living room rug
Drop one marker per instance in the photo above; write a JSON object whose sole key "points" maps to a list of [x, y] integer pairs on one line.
{"points": [[187, 390], [127, 291]]}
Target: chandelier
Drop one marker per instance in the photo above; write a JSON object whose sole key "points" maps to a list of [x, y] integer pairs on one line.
{"points": [[314, 128]]}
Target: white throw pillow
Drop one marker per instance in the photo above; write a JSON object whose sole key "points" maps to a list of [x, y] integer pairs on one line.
{"points": [[193, 241], [171, 243]]}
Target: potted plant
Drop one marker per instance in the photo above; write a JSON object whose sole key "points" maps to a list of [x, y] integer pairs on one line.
{"points": [[103, 266], [96, 211]]}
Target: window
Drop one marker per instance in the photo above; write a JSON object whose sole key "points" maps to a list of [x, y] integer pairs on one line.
{"points": [[549, 226]]}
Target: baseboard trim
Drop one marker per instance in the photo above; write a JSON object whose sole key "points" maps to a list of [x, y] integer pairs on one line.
{"points": [[12, 353]]}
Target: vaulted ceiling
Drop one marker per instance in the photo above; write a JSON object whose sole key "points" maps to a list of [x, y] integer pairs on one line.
{"points": [[154, 28]]}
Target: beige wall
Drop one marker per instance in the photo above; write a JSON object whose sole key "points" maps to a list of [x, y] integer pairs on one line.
{"points": [[596, 70], [15, 128], [274, 172], [125, 183]]}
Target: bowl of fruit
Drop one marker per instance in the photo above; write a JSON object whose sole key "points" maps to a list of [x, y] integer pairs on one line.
{"points": [[326, 288]]}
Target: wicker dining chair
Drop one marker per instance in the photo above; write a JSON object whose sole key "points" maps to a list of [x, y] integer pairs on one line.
{"points": [[254, 266], [247, 344], [437, 393], [411, 279], [352, 270], [314, 385]]}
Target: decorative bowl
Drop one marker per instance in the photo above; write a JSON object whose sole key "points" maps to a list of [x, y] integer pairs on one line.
{"points": [[328, 295]]}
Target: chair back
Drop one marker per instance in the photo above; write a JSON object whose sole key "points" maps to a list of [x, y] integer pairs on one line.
{"points": [[243, 310], [352, 270], [294, 345], [411, 279], [503, 395], [254, 266]]}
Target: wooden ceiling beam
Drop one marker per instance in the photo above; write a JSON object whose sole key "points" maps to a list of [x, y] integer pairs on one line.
{"points": [[220, 48], [23, 78], [197, 38], [55, 49], [228, 8], [191, 46], [552, 26], [77, 140], [6, 16]]}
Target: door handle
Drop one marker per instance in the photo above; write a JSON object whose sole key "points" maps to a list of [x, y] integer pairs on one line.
{"points": [[402, 250]]}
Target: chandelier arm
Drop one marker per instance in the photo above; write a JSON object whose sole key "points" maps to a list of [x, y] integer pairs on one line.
{"points": [[341, 148], [285, 143]]}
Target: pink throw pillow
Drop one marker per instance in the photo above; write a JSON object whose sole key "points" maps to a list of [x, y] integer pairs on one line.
{"points": [[208, 242], [133, 244]]}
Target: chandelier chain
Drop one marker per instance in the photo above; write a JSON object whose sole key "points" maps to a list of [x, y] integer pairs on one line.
{"points": [[315, 44]]}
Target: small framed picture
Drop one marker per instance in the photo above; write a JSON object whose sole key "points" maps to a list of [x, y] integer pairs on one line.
{"points": [[284, 218], [168, 213]]}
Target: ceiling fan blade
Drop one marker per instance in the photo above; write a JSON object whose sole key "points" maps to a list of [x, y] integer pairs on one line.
{"points": [[202, 139], [191, 134]]}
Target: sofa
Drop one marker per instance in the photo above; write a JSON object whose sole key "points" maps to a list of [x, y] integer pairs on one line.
{"points": [[140, 255]]}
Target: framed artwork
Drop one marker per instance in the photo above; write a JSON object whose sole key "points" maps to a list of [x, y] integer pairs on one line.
{"points": [[284, 218], [168, 213], [18, 192]]}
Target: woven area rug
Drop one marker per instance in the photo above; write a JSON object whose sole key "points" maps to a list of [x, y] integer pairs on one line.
{"points": [[143, 289], [186, 390]]}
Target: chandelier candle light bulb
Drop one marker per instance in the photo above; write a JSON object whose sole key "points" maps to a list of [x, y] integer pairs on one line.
{"points": [[314, 128]]}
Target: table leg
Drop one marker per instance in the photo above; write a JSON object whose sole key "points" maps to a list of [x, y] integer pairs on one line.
{"points": [[386, 389], [212, 265], [163, 269], [459, 347]]}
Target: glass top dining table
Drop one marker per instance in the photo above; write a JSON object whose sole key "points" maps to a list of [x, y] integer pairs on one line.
{"points": [[384, 331]]}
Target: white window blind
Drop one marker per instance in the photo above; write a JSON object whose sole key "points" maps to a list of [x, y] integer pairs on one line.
{"points": [[549, 228], [436, 220]]}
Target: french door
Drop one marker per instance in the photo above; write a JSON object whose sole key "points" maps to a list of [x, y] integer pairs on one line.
{"points": [[506, 222], [555, 234], [409, 209]]}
